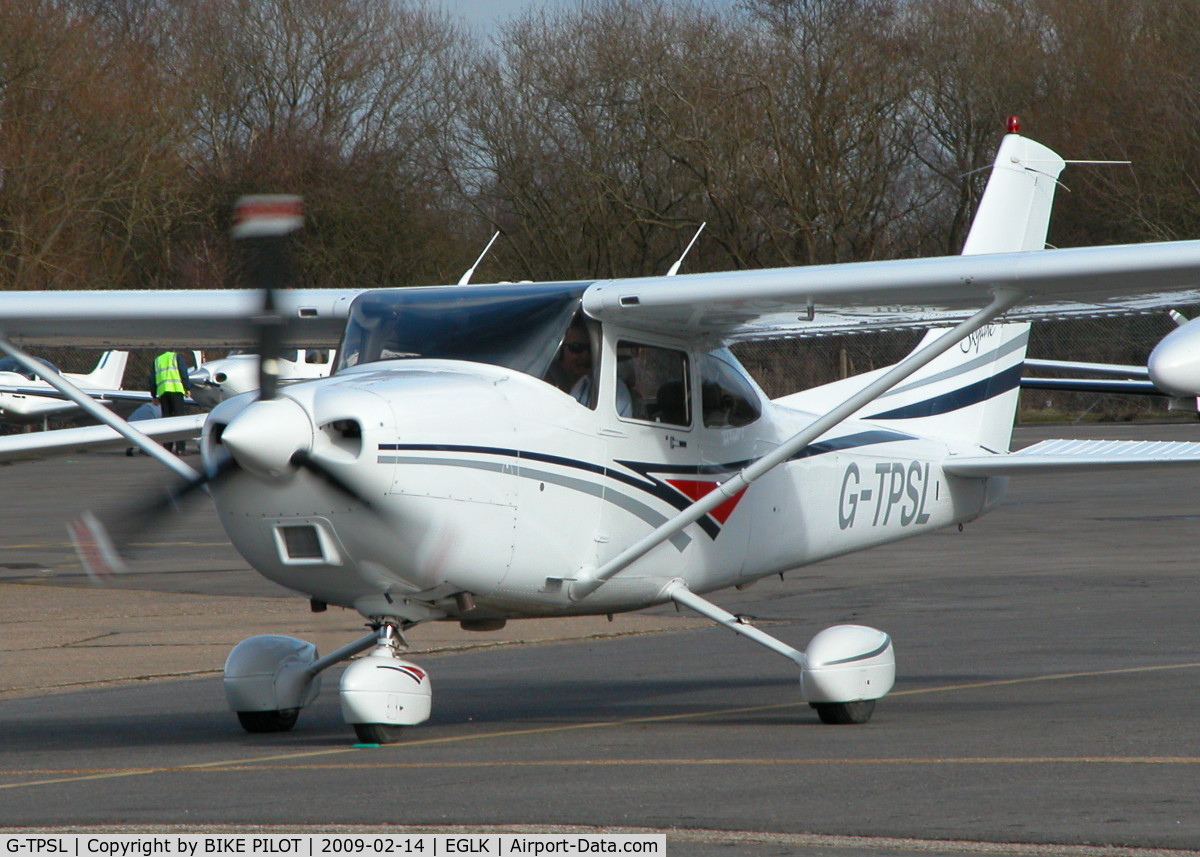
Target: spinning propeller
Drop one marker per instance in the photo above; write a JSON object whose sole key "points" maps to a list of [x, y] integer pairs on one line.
{"points": [[271, 437]]}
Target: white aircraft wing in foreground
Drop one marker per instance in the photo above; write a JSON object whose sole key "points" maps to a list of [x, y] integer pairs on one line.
{"points": [[37, 445], [183, 318], [487, 453], [821, 300]]}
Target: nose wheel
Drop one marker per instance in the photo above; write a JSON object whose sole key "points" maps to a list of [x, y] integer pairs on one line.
{"points": [[377, 733], [382, 692], [269, 678], [845, 713]]}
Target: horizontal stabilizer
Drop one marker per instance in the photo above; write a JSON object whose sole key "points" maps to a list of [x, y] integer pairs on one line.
{"points": [[1051, 456], [1129, 387], [1118, 370]]}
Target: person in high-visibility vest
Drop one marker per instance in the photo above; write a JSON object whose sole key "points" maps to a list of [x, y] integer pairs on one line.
{"points": [[170, 384]]}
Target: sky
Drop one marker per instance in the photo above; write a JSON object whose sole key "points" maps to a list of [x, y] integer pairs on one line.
{"points": [[484, 14]]}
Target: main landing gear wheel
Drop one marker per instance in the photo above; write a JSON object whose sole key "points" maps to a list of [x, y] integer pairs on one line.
{"points": [[377, 733], [843, 713], [268, 721]]}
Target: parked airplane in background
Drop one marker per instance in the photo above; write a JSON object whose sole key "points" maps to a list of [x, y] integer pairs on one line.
{"points": [[26, 398], [1113, 378], [1172, 371], [1174, 364], [486, 453], [236, 373]]}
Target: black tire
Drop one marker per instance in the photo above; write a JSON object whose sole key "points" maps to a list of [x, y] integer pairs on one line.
{"points": [[377, 733], [268, 721], [844, 713]]}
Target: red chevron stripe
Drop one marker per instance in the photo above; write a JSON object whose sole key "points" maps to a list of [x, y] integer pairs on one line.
{"points": [[694, 489]]}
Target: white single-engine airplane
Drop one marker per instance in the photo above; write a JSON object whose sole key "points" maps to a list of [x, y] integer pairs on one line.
{"points": [[26, 398], [237, 372], [451, 468]]}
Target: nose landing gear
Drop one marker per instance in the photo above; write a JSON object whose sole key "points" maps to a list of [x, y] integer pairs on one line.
{"points": [[383, 692]]}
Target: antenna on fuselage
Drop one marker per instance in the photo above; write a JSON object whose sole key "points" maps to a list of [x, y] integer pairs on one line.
{"points": [[674, 269], [466, 278]]}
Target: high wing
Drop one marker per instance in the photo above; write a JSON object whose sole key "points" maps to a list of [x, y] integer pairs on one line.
{"points": [[820, 300], [813, 300], [181, 318]]}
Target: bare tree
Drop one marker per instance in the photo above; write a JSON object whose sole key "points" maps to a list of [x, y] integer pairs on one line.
{"points": [[88, 152], [976, 62], [340, 100]]}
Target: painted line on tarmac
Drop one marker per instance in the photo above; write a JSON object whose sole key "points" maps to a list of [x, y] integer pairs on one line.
{"points": [[1051, 677], [67, 776], [48, 545], [730, 763]]}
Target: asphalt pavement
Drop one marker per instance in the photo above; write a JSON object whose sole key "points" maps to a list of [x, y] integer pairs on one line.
{"points": [[1048, 679]]}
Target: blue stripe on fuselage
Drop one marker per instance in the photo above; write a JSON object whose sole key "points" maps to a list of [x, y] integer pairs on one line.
{"points": [[964, 397]]}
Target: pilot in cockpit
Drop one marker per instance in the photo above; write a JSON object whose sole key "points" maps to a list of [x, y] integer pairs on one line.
{"points": [[573, 370], [573, 363]]}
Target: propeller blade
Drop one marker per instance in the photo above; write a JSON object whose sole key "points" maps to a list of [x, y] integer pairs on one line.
{"points": [[261, 226], [306, 461], [97, 553], [102, 549]]}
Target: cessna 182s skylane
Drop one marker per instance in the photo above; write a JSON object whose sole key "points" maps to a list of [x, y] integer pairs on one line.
{"points": [[437, 474]]}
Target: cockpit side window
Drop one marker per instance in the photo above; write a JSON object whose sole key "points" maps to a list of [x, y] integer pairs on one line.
{"points": [[728, 398], [653, 383]]}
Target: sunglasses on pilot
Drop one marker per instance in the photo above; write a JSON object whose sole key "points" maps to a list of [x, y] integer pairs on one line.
{"points": [[576, 347]]}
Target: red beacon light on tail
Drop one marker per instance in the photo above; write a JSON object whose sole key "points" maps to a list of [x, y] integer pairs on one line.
{"points": [[1014, 124]]}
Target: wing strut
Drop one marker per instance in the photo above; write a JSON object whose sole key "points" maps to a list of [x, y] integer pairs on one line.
{"points": [[122, 427], [678, 592], [1001, 303]]}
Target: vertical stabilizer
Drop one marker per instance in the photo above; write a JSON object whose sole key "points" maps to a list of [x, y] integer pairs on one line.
{"points": [[1014, 212], [971, 392], [109, 373]]}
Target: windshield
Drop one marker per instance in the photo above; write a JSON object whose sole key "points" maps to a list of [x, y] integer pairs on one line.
{"points": [[11, 364], [516, 326]]}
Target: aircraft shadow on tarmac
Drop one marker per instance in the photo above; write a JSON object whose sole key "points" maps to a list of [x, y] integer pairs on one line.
{"points": [[192, 713]]}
